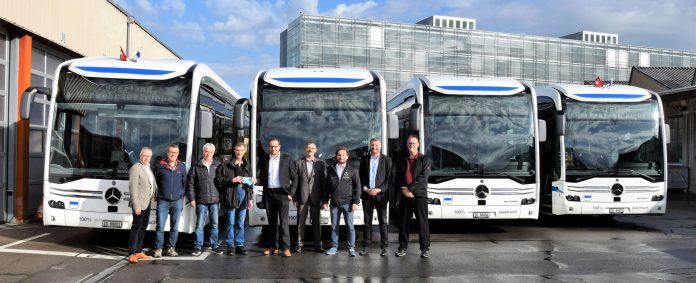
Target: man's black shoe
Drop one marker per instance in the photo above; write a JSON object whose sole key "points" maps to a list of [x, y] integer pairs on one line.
{"points": [[365, 251], [298, 249], [319, 249], [401, 252], [230, 250], [425, 254], [196, 252], [241, 251], [383, 252], [217, 250]]}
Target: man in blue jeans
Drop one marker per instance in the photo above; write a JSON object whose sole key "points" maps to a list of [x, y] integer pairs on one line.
{"points": [[344, 192], [205, 198], [236, 188], [170, 175]]}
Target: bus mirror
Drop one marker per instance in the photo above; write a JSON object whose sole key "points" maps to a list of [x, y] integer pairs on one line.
{"points": [[240, 111], [414, 116], [205, 126], [667, 133], [392, 126], [542, 130], [560, 124], [28, 100]]}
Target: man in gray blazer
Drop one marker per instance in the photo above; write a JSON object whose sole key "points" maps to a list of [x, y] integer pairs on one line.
{"points": [[309, 177], [142, 187]]}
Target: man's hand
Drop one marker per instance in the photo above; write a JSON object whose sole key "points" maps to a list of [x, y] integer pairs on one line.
{"points": [[250, 204], [253, 180], [295, 203], [237, 179], [193, 204], [355, 207], [324, 206], [374, 192], [289, 197], [137, 211], [406, 192]]}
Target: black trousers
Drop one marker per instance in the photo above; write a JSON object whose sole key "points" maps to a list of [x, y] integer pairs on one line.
{"points": [[137, 232], [314, 214], [370, 204], [277, 208], [407, 207]]}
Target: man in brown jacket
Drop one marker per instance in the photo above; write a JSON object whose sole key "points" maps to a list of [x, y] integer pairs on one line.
{"points": [[142, 186]]}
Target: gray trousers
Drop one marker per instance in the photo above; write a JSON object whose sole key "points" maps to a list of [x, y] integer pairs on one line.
{"points": [[314, 213]]}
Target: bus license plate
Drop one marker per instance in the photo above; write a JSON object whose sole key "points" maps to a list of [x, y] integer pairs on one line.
{"points": [[616, 210], [112, 224], [482, 215]]}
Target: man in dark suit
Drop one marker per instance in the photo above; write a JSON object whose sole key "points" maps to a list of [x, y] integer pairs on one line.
{"points": [[274, 176], [411, 179], [376, 177], [309, 177]]}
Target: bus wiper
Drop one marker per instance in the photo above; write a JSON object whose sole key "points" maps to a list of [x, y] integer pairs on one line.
{"points": [[596, 174], [515, 178], [634, 172]]}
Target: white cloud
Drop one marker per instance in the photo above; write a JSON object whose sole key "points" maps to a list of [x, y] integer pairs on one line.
{"points": [[352, 10], [145, 6], [188, 30], [177, 6]]}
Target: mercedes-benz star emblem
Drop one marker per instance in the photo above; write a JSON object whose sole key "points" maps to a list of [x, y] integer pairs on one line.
{"points": [[481, 191], [112, 195], [617, 189]]}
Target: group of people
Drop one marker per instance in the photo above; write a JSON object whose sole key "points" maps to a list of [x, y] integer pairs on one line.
{"points": [[309, 184]]}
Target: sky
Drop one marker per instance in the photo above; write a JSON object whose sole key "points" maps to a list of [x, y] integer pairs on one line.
{"points": [[239, 38]]}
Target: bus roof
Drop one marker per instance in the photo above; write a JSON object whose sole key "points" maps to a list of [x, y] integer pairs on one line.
{"points": [[111, 67], [472, 86], [318, 77], [589, 93]]}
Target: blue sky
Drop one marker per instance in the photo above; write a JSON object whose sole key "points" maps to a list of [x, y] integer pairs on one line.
{"points": [[238, 38]]}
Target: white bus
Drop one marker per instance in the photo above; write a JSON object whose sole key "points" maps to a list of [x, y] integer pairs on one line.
{"points": [[330, 107], [103, 111], [605, 152], [483, 139]]}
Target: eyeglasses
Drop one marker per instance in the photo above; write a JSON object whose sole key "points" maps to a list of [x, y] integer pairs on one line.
{"points": [[274, 146], [413, 143]]}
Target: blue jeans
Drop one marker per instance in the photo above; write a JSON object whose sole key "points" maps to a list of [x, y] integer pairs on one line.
{"points": [[235, 226], [168, 208], [202, 212], [347, 211]]}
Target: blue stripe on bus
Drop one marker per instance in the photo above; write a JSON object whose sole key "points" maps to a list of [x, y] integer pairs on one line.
{"points": [[556, 189], [130, 71], [606, 95], [318, 80], [477, 88]]}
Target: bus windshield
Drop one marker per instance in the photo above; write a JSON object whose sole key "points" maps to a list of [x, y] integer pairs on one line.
{"points": [[480, 136], [101, 124], [613, 139], [328, 117]]}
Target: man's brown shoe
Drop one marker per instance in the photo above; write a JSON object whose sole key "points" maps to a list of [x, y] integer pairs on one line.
{"points": [[287, 253], [269, 251], [132, 258]]}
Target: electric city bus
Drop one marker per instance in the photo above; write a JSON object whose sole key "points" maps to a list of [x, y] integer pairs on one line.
{"points": [[605, 152], [328, 106], [103, 111], [483, 139]]}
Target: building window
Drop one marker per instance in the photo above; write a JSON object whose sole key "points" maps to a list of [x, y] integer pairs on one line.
{"points": [[437, 22], [4, 49], [43, 66]]}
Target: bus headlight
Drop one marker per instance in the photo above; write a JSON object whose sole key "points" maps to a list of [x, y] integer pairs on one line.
{"points": [[572, 198], [56, 204], [657, 198], [526, 201], [435, 201], [261, 205]]}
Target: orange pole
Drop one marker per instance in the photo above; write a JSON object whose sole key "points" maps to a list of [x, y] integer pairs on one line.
{"points": [[22, 169]]}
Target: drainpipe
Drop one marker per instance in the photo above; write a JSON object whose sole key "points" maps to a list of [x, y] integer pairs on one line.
{"points": [[130, 22]]}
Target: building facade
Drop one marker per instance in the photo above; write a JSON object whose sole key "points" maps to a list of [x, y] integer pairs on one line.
{"points": [[398, 51], [35, 37]]}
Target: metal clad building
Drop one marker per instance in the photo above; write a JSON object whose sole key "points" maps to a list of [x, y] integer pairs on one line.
{"points": [[398, 51], [36, 36]]}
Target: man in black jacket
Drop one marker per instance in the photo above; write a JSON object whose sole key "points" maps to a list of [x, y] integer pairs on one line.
{"points": [[344, 193], [376, 178], [236, 196], [274, 176], [204, 196], [309, 178], [411, 179]]}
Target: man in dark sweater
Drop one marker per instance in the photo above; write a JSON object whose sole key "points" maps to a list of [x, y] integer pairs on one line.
{"points": [[170, 175], [236, 196], [205, 198], [411, 179], [344, 193]]}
